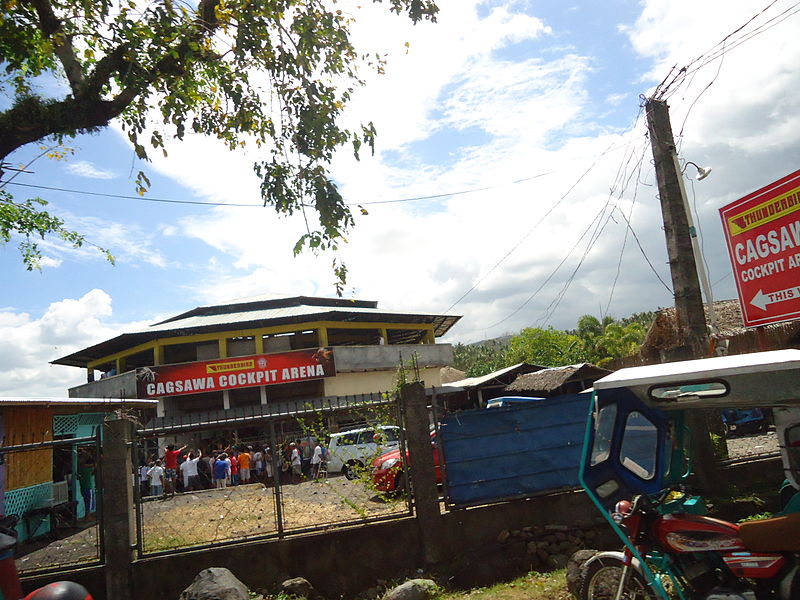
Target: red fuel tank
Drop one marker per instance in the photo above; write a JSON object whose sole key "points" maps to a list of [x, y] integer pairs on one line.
{"points": [[695, 533]]}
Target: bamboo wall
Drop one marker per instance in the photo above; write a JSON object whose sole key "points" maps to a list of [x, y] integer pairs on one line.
{"points": [[24, 425]]}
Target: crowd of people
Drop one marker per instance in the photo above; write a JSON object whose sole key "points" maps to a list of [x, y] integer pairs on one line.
{"points": [[187, 470]]}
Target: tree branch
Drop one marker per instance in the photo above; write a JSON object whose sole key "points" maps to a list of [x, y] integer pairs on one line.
{"points": [[53, 28]]}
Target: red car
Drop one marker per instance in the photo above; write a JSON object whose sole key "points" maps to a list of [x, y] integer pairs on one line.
{"points": [[387, 469]]}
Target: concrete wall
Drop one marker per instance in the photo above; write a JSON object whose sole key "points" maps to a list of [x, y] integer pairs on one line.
{"points": [[116, 386], [346, 561], [345, 384], [377, 358]]}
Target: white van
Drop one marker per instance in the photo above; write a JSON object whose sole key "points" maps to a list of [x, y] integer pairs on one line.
{"points": [[351, 450]]}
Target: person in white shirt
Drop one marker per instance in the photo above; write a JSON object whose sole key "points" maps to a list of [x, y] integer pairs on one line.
{"points": [[144, 482], [297, 462], [316, 460], [191, 479], [156, 476]]}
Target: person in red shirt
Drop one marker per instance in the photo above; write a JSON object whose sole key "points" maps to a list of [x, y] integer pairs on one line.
{"points": [[171, 468], [234, 469]]}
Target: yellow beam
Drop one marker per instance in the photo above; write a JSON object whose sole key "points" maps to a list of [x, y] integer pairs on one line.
{"points": [[321, 326]]}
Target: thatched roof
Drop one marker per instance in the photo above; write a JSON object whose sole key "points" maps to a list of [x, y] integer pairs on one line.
{"points": [[548, 380], [450, 374], [664, 335]]}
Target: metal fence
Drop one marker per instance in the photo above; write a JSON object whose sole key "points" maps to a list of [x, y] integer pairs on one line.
{"points": [[276, 500], [57, 522]]}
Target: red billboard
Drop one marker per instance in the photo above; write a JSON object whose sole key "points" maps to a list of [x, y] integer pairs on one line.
{"points": [[762, 231], [230, 373]]}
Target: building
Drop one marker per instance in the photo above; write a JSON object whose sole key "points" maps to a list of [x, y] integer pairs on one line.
{"points": [[264, 353], [556, 381], [42, 441]]}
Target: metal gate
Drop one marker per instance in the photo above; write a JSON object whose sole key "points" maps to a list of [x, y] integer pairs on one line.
{"points": [[274, 501]]}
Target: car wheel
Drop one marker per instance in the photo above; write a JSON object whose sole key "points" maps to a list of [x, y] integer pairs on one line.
{"points": [[350, 471]]}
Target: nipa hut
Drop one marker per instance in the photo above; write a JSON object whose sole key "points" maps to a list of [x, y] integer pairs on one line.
{"points": [[556, 381]]}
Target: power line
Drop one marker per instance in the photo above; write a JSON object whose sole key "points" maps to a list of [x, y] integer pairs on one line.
{"points": [[240, 205], [610, 148]]}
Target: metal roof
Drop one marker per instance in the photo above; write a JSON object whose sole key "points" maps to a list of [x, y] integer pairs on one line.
{"points": [[255, 314], [53, 402], [702, 369], [476, 381]]}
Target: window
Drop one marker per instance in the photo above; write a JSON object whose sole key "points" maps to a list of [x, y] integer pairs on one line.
{"points": [[604, 431], [693, 391], [390, 434], [639, 446]]}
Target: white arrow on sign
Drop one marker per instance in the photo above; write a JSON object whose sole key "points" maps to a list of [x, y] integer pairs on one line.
{"points": [[760, 300]]}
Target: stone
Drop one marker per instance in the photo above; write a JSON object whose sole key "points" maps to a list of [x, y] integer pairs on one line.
{"points": [[503, 536], [215, 583], [575, 570], [558, 561], [553, 527], [532, 547], [298, 586], [413, 589]]}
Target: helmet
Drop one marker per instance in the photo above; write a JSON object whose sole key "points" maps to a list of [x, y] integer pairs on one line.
{"points": [[60, 590]]}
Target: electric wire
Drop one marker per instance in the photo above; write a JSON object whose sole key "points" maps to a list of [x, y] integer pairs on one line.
{"points": [[610, 148], [260, 205]]}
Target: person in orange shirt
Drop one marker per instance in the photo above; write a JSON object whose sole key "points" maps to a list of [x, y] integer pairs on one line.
{"points": [[244, 466]]}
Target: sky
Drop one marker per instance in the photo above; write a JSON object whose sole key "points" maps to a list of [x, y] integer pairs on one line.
{"points": [[518, 123]]}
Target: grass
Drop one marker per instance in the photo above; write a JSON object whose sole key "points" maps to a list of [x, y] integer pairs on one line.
{"points": [[533, 586]]}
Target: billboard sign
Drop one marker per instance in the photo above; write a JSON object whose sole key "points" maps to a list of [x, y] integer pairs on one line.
{"points": [[762, 231], [230, 373]]}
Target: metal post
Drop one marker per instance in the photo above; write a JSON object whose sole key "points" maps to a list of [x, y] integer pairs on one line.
{"points": [[276, 473]]}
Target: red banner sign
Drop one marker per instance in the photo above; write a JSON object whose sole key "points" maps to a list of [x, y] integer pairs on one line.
{"points": [[762, 231], [231, 373]]}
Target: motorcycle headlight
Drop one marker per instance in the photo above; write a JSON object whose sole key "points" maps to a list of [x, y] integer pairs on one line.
{"points": [[388, 464]]}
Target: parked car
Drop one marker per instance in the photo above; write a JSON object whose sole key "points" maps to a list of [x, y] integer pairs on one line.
{"points": [[744, 421], [349, 451], [388, 474]]}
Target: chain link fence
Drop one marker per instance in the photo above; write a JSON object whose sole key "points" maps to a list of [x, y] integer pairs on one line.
{"points": [[252, 473]]}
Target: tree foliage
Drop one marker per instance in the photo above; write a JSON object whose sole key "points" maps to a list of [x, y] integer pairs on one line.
{"points": [[546, 347], [479, 359], [274, 75], [605, 340]]}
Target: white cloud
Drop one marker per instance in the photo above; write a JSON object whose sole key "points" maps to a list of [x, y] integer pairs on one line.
{"points": [[84, 168], [28, 343], [518, 119], [50, 262]]}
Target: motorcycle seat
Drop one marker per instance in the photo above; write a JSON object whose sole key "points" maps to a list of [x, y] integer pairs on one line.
{"points": [[778, 534]]}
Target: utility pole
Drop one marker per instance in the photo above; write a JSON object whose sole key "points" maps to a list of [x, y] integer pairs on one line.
{"points": [[691, 319]]}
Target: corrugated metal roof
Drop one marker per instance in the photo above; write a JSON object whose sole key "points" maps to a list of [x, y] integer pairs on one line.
{"points": [[256, 314], [19, 401], [476, 381]]}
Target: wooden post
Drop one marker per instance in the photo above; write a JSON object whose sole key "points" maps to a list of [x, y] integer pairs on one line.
{"points": [[117, 508], [422, 471]]}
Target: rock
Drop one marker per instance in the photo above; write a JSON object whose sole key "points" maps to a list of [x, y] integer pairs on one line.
{"points": [[215, 583], [503, 536], [552, 527], [532, 547], [558, 561], [413, 589], [575, 570], [301, 587]]}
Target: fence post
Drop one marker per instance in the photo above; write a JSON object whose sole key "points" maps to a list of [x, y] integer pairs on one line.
{"points": [[117, 518], [422, 471]]}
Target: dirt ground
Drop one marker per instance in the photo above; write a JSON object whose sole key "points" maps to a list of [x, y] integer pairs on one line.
{"points": [[249, 510], [752, 444], [216, 515]]}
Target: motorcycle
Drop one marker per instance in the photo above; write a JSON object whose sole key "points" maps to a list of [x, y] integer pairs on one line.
{"points": [[635, 463]]}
